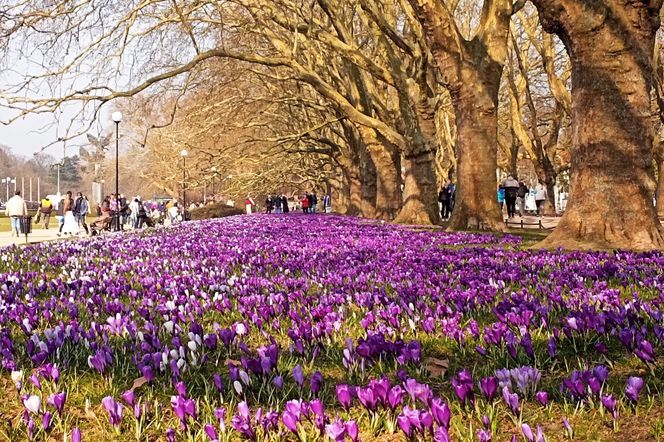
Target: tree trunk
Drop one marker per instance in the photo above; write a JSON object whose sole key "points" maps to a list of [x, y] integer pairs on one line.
{"points": [[476, 206], [386, 162], [366, 179], [659, 196], [547, 174], [610, 43], [420, 194]]}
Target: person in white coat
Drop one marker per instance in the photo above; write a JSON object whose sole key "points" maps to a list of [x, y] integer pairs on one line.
{"points": [[540, 197], [15, 209]]}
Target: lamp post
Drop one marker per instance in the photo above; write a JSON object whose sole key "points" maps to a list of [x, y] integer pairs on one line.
{"points": [[8, 181], [117, 117], [213, 169], [184, 154]]}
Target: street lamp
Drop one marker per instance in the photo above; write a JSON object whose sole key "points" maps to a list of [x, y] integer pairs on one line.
{"points": [[117, 117], [184, 154], [8, 181], [213, 169]]}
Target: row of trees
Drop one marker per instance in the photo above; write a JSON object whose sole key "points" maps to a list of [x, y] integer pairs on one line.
{"points": [[379, 100]]}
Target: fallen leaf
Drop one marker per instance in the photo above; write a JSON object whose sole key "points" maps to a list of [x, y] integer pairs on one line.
{"points": [[138, 382], [436, 367], [232, 362]]}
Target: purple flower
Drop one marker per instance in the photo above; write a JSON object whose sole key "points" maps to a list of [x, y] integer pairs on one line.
{"points": [[170, 435], [218, 382], [568, 428], [58, 401], [542, 397], [395, 397], [367, 398], [76, 435], [211, 432], [610, 403], [352, 430], [278, 382], [316, 381], [343, 395], [114, 410], [528, 432], [633, 388], [46, 421], [336, 431], [483, 435], [298, 375], [488, 387], [441, 412], [512, 400], [129, 397], [290, 421]]}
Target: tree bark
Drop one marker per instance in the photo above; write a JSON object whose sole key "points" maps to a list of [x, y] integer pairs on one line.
{"points": [[387, 166], [476, 206], [659, 195], [420, 194], [367, 181], [610, 43]]}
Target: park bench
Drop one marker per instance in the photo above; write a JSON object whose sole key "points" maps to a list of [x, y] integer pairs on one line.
{"points": [[523, 224]]}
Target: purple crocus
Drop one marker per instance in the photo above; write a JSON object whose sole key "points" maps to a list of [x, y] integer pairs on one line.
{"points": [[512, 400], [76, 435], [336, 430], [611, 404], [211, 433], [46, 421], [290, 421], [441, 412], [298, 375], [542, 397], [352, 430], [316, 381], [343, 395], [57, 400], [489, 386], [114, 410], [129, 397], [633, 388]]}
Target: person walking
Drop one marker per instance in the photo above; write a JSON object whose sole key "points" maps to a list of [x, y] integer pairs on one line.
{"points": [[277, 204], [15, 209], [501, 197], [314, 202], [540, 197], [269, 204], [45, 209], [521, 197], [511, 186], [444, 200], [284, 203], [305, 203], [327, 203], [81, 210], [249, 203], [69, 224]]}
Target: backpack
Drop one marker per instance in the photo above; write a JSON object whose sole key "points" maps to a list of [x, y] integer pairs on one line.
{"points": [[511, 192]]}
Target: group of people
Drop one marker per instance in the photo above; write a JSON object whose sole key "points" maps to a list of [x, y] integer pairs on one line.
{"points": [[281, 204], [276, 204], [513, 193], [446, 198]]}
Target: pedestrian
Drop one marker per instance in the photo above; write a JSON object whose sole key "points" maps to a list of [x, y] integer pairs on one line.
{"points": [[277, 204], [451, 190], [327, 203], [269, 204], [511, 187], [284, 203], [15, 209], [501, 197], [540, 197], [81, 210], [314, 203], [521, 197], [69, 224], [133, 212], [249, 203], [45, 209], [444, 200], [305, 203]]}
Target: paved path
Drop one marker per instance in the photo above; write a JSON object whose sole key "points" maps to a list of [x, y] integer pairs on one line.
{"points": [[37, 235]]}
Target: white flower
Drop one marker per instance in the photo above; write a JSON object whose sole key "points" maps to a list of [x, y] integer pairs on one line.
{"points": [[168, 325], [237, 386], [245, 377], [192, 345], [240, 329], [17, 377], [32, 404]]}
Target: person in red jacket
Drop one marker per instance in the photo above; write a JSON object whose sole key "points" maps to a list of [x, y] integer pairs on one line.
{"points": [[305, 203]]}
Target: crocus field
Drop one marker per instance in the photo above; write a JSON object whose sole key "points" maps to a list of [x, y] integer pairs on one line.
{"points": [[294, 327]]}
